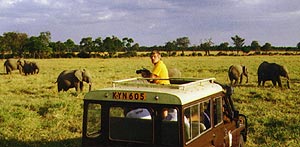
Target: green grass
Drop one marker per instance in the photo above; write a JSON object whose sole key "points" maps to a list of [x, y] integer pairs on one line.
{"points": [[32, 113]]}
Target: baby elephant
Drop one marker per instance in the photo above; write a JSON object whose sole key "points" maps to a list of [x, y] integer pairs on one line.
{"points": [[30, 68], [236, 73], [73, 79]]}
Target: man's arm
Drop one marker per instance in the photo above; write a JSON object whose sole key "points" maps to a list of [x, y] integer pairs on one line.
{"points": [[153, 76]]}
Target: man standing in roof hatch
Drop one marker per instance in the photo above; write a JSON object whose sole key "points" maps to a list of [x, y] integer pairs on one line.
{"points": [[160, 70]]}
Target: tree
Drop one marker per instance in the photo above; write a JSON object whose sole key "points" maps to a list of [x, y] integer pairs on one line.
{"points": [[238, 42], [298, 47], [170, 45], [267, 47], [255, 46], [98, 45], [86, 44], [58, 47], [38, 47], [14, 42], [33, 46], [45, 39], [2, 46], [223, 46], [70, 45], [206, 45], [182, 43], [112, 45], [127, 43], [135, 47]]}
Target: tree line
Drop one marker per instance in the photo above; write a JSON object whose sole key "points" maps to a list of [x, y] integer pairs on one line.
{"points": [[16, 44]]}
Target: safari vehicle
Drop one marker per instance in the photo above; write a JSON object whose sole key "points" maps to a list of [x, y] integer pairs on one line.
{"points": [[187, 113]]}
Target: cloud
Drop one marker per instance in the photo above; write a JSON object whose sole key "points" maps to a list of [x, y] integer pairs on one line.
{"points": [[104, 16], [8, 3], [24, 20], [153, 21], [42, 2]]}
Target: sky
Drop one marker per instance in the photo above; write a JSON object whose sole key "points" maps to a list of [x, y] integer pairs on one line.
{"points": [[155, 22]]}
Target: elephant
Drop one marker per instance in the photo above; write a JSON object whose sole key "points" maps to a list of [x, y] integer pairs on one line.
{"points": [[236, 73], [272, 71], [174, 72], [73, 79], [30, 68], [13, 64]]}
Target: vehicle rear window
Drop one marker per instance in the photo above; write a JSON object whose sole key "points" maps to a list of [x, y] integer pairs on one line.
{"points": [[130, 124], [169, 126]]}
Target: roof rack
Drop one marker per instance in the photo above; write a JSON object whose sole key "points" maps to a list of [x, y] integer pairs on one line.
{"points": [[176, 83]]}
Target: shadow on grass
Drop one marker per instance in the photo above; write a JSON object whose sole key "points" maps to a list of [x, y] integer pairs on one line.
{"points": [[75, 142]]}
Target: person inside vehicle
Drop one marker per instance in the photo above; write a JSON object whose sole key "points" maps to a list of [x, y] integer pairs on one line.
{"points": [[141, 113], [160, 71], [169, 114]]}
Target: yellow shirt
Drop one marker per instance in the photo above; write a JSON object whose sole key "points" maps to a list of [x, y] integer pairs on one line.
{"points": [[161, 71]]}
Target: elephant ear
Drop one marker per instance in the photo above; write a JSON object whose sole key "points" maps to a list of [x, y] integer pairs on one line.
{"points": [[78, 75]]}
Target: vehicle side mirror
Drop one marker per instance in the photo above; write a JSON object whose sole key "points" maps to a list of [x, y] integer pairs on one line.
{"points": [[236, 114], [230, 90]]}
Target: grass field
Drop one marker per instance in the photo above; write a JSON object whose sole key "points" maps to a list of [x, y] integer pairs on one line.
{"points": [[33, 114]]}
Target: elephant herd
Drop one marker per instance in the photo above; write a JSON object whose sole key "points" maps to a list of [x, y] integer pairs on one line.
{"points": [[74, 78], [67, 79], [23, 66], [266, 72]]}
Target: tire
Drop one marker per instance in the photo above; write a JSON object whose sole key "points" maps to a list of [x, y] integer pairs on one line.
{"points": [[241, 141]]}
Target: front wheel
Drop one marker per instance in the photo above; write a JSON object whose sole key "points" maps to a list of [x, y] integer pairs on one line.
{"points": [[241, 142]]}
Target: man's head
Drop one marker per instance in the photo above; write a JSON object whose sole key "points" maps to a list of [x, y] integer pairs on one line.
{"points": [[155, 56]]}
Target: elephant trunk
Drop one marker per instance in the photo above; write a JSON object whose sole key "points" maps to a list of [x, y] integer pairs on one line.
{"points": [[288, 81], [90, 86]]}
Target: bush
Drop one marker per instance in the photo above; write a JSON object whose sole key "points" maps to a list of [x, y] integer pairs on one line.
{"points": [[221, 54], [173, 54], [194, 54], [163, 54], [128, 54], [69, 55], [83, 54]]}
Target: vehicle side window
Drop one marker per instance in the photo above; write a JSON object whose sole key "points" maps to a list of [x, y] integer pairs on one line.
{"points": [[217, 110], [93, 120], [187, 124], [205, 115], [197, 120]]}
